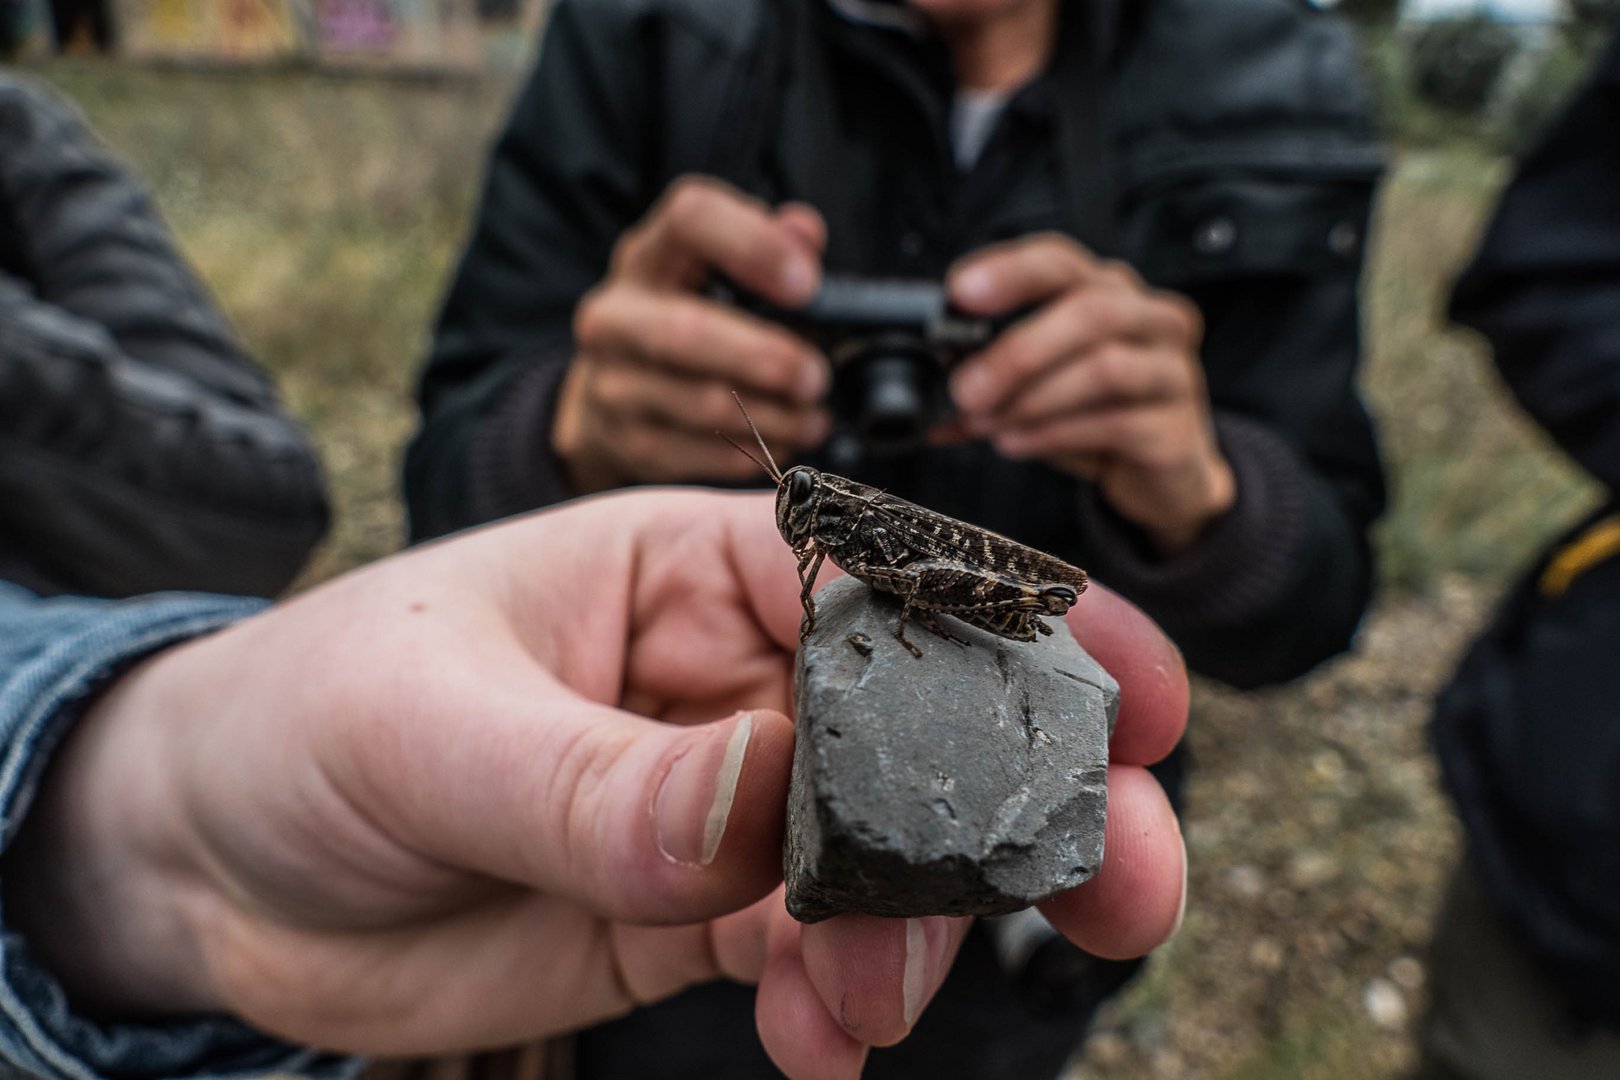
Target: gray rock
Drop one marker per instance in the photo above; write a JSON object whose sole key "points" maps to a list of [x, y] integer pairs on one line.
{"points": [[972, 781]]}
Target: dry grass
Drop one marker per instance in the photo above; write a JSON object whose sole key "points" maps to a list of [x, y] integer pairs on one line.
{"points": [[326, 214]]}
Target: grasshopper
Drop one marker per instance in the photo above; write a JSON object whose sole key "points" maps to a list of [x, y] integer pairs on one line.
{"points": [[935, 564]]}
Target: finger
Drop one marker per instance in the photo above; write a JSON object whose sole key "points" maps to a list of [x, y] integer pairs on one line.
{"points": [[518, 967], [1004, 277], [1135, 902], [765, 566], [806, 223], [1153, 689], [1153, 433], [633, 392], [691, 336], [1111, 373], [635, 820], [1059, 333], [801, 1036], [701, 224], [667, 455], [876, 975]]}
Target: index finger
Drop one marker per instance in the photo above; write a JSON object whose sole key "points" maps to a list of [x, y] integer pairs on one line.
{"points": [[1007, 276], [1152, 676], [701, 225]]}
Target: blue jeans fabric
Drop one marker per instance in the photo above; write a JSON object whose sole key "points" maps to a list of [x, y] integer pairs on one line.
{"points": [[54, 653]]}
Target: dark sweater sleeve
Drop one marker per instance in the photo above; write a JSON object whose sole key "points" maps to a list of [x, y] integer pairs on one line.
{"points": [[140, 449], [567, 177], [1544, 288]]}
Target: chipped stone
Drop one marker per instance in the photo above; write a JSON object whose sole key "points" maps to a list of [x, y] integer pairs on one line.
{"points": [[972, 781]]}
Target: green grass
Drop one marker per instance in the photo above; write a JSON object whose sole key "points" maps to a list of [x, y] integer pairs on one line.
{"points": [[1477, 490]]}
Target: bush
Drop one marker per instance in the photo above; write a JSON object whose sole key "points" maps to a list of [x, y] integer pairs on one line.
{"points": [[1456, 63]]}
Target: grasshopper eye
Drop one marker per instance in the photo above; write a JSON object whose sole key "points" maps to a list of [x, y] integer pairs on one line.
{"points": [[800, 488]]}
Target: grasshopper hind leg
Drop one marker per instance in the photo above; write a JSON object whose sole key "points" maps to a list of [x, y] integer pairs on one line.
{"points": [[931, 621]]}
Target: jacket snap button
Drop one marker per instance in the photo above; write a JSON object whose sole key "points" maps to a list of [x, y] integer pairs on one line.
{"points": [[1215, 236], [911, 244], [1343, 239]]}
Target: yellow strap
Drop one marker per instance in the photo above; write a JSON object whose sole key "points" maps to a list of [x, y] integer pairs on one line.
{"points": [[1600, 541]]}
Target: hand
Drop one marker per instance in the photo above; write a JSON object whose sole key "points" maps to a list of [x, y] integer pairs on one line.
{"points": [[651, 382], [1103, 381], [506, 786]]}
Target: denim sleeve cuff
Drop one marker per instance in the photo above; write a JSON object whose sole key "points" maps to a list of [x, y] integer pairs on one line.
{"points": [[1240, 567], [61, 652]]}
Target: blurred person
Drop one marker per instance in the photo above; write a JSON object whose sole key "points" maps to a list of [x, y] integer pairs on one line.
{"points": [[480, 793], [1203, 450], [1526, 954], [140, 448]]}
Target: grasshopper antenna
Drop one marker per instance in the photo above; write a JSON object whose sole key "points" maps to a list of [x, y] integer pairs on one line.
{"points": [[771, 470]]}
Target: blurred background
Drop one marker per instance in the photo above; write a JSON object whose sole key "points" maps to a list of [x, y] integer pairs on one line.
{"points": [[319, 160]]}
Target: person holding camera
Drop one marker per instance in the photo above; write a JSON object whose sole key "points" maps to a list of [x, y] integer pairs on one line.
{"points": [[1158, 208]]}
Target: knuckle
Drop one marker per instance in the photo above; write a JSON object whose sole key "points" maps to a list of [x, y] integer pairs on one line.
{"points": [[642, 447], [627, 248], [1185, 318], [681, 332], [576, 785], [777, 368], [592, 318], [1121, 274], [1018, 360], [713, 407], [689, 198], [1115, 367]]}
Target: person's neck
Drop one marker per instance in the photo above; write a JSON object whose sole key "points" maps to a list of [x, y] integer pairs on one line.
{"points": [[1004, 51]]}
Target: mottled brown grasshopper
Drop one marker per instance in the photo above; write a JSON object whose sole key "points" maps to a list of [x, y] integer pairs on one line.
{"points": [[935, 564]]}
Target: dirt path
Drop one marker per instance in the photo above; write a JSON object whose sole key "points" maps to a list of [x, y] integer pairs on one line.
{"points": [[1318, 837]]}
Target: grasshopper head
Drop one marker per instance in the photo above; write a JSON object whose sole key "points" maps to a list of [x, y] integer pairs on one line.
{"points": [[798, 497]]}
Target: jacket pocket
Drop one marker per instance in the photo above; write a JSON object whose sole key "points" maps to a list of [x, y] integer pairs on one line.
{"points": [[1247, 225]]}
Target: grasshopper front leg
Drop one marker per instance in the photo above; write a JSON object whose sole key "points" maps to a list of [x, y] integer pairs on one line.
{"points": [[810, 558]]}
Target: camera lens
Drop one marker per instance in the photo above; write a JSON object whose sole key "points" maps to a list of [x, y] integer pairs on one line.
{"points": [[895, 400]]}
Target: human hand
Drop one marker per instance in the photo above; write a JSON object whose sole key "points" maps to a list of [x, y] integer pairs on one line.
{"points": [[402, 814], [651, 381], [1103, 381]]}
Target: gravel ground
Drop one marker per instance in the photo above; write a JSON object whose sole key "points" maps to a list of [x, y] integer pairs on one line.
{"points": [[1319, 839]]}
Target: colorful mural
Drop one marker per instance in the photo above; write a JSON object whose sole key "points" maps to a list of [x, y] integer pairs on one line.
{"points": [[428, 35], [225, 30], [405, 33]]}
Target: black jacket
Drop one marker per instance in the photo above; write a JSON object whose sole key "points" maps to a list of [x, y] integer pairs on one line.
{"points": [[1528, 732], [139, 448], [1236, 165]]}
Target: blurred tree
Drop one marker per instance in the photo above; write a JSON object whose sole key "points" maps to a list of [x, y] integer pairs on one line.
{"points": [[1599, 14], [1371, 11], [1456, 63]]}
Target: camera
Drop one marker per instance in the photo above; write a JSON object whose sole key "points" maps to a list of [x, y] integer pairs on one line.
{"points": [[891, 343]]}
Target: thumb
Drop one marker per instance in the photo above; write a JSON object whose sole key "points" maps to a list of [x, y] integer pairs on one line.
{"points": [[636, 820]]}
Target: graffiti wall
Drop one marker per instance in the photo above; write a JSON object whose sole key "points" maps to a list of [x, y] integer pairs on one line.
{"points": [[227, 30], [432, 35]]}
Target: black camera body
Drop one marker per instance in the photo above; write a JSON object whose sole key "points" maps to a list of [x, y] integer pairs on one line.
{"points": [[891, 343]]}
